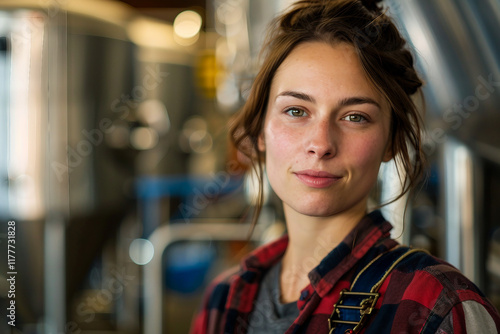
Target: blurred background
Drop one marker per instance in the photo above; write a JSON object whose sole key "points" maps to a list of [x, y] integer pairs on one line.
{"points": [[126, 196]]}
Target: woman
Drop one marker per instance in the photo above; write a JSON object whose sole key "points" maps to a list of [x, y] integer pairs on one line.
{"points": [[331, 102]]}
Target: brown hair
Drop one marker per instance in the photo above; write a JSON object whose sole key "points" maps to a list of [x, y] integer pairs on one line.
{"points": [[387, 62]]}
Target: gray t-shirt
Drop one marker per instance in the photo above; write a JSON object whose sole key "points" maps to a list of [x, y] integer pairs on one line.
{"points": [[269, 315]]}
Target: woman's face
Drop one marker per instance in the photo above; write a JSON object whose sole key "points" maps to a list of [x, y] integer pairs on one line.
{"points": [[326, 131]]}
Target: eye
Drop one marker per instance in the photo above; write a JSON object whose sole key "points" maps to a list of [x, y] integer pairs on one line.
{"points": [[296, 112], [356, 118]]}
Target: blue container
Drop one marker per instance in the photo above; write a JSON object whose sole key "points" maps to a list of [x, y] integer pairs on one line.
{"points": [[187, 265]]}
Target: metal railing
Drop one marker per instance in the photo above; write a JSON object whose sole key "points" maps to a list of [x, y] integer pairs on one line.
{"points": [[167, 234]]}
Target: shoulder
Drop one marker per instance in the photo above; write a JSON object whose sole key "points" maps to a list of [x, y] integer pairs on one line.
{"points": [[217, 291], [233, 291], [440, 279], [209, 318], [430, 293]]}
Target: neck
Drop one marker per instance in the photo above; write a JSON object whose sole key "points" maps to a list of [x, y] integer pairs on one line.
{"points": [[310, 240]]}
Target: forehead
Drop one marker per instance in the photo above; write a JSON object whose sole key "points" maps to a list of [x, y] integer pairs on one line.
{"points": [[323, 51], [319, 68]]}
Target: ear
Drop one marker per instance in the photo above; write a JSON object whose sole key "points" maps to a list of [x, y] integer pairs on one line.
{"points": [[388, 155], [261, 143]]}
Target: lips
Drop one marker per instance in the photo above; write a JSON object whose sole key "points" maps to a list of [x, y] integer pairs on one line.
{"points": [[317, 179]]}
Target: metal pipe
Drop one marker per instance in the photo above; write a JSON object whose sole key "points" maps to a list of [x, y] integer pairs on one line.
{"points": [[165, 235], [461, 224], [57, 186]]}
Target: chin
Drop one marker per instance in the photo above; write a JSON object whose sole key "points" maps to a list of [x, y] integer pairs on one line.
{"points": [[327, 207], [317, 211]]}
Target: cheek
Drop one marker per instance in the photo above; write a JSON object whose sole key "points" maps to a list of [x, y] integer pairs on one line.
{"points": [[280, 142], [369, 154]]}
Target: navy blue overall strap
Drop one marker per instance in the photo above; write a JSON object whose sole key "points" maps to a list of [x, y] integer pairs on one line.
{"points": [[356, 304]]}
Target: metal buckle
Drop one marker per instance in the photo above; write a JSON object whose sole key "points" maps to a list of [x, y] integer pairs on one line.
{"points": [[366, 307]]}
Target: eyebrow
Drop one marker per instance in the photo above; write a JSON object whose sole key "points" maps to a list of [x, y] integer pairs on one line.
{"points": [[358, 100], [349, 101], [297, 95]]}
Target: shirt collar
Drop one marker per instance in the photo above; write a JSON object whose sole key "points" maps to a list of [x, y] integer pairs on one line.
{"points": [[262, 258]]}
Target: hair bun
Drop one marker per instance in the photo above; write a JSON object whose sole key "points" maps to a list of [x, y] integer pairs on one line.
{"points": [[372, 5]]}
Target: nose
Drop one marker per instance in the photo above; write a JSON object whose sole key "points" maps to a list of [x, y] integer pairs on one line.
{"points": [[321, 142]]}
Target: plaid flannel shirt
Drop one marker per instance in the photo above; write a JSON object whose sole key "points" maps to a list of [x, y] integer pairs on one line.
{"points": [[425, 295]]}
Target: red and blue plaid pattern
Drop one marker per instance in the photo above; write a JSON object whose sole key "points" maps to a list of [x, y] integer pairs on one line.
{"points": [[422, 295]]}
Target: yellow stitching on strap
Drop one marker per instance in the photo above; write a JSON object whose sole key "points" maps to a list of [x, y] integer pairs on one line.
{"points": [[401, 258], [364, 308], [379, 283]]}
